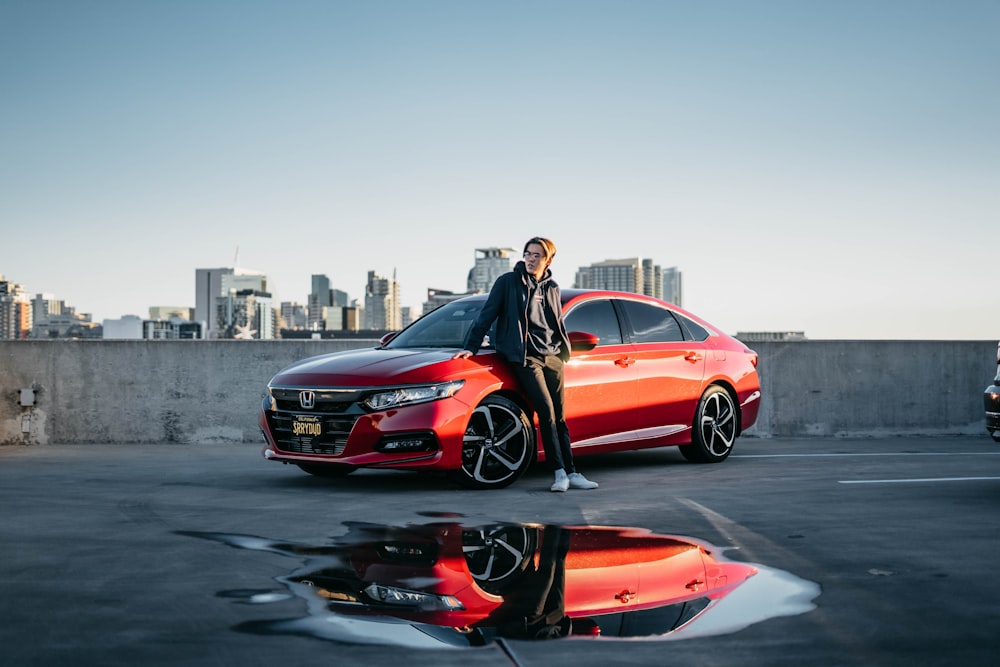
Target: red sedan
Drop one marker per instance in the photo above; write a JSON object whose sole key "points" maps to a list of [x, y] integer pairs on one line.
{"points": [[643, 373]]}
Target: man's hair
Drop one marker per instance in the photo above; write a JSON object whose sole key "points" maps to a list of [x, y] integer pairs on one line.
{"points": [[547, 246]]}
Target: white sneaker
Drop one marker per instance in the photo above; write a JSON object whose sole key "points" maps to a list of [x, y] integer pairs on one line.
{"points": [[578, 481], [561, 483]]}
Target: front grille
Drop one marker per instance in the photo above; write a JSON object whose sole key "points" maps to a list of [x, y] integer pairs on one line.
{"points": [[334, 413], [331, 443], [327, 401]]}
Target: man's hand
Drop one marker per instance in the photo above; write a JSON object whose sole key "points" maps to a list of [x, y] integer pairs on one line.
{"points": [[462, 354]]}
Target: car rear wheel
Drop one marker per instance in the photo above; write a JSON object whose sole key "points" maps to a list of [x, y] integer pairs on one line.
{"points": [[714, 428], [995, 435], [327, 469], [498, 446]]}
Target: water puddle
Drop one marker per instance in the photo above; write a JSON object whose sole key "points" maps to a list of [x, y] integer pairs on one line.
{"points": [[448, 584]]}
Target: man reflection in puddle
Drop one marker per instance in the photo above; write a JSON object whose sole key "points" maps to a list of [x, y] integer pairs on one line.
{"points": [[536, 608]]}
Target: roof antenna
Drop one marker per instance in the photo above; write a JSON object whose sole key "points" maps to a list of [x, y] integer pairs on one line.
{"points": [[236, 258]]}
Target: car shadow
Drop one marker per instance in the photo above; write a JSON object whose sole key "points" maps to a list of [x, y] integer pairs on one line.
{"points": [[370, 479]]}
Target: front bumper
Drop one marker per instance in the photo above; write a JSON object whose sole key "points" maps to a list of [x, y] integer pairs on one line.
{"points": [[435, 430]]}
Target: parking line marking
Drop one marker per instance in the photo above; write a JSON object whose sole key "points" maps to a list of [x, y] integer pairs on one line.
{"points": [[915, 480], [793, 456]]}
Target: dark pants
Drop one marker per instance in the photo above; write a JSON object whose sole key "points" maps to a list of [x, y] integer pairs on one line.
{"points": [[542, 381], [536, 607]]}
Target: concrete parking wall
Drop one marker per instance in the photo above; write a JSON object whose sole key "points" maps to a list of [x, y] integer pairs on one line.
{"points": [[210, 391]]}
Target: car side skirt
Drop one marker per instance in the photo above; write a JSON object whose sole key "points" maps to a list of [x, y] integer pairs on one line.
{"points": [[655, 434]]}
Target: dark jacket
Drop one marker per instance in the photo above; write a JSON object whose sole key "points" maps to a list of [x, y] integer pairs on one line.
{"points": [[507, 304]]}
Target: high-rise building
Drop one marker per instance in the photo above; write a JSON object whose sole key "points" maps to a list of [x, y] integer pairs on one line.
{"points": [[339, 298], [491, 263], [652, 279], [635, 274], [333, 318], [15, 310], [294, 315], [353, 316], [245, 280], [672, 286], [233, 301], [624, 275], [44, 306], [208, 288], [319, 298], [382, 308], [245, 313], [438, 297]]}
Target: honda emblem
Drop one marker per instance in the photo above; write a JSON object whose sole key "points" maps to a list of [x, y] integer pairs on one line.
{"points": [[307, 399]]}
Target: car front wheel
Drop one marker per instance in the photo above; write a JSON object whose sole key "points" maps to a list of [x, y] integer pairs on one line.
{"points": [[714, 429], [498, 445], [498, 555]]}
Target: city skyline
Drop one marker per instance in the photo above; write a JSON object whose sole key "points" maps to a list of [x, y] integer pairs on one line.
{"points": [[303, 300], [829, 168]]}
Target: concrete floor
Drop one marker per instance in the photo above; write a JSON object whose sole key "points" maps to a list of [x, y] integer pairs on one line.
{"points": [[891, 542]]}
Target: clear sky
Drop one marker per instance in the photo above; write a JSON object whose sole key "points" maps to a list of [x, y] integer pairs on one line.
{"points": [[831, 167]]}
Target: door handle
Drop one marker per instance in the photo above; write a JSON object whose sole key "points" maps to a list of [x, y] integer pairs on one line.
{"points": [[625, 596], [694, 585], [692, 357], [624, 362]]}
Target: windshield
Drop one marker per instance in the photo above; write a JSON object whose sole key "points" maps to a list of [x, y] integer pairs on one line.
{"points": [[443, 327]]}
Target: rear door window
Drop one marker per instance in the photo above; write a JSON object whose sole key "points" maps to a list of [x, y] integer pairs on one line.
{"points": [[650, 323]]}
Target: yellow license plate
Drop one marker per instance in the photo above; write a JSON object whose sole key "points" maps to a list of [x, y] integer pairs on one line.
{"points": [[307, 426]]}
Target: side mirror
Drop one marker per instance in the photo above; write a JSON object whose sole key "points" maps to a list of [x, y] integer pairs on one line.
{"points": [[581, 341], [386, 338]]}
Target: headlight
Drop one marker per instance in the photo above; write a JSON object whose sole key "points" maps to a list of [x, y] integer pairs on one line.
{"points": [[409, 395], [401, 597]]}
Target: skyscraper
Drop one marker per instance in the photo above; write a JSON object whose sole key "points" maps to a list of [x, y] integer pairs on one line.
{"points": [[294, 315], [491, 263], [15, 311], [652, 279], [245, 313], [635, 274], [382, 308], [211, 285], [319, 298], [208, 287], [624, 275], [672, 286]]}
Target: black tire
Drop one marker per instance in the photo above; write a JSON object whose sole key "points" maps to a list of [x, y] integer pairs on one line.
{"points": [[499, 445], [995, 435], [327, 469], [497, 555], [714, 429]]}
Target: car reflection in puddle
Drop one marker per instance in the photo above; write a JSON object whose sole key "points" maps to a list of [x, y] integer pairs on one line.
{"points": [[446, 584]]}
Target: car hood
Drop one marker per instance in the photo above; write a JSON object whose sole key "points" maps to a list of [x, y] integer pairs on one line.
{"points": [[371, 367]]}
